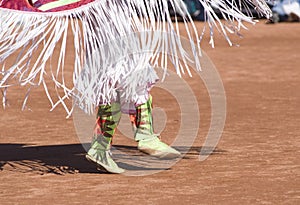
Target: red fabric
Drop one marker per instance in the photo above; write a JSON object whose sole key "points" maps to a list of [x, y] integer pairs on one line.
{"points": [[23, 5]]}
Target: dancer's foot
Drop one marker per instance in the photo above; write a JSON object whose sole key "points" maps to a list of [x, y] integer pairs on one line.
{"points": [[102, 158], [154, 147]]}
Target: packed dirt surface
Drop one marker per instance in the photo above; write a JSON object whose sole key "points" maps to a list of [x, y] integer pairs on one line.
{"points": [[256, 161]]}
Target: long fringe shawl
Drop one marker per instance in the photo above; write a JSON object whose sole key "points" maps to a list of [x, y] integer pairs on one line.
{"points": [[112, 40]]}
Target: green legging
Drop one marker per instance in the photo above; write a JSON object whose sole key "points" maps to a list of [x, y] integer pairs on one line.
{"points": [[108, 117], [142, 120]]}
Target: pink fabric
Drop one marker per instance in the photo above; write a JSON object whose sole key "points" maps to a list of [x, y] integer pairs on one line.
{"points": [[21, 5], [24, 5]]}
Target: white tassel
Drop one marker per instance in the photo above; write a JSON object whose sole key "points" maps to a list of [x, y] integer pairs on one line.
{"points": [[113, 41]]}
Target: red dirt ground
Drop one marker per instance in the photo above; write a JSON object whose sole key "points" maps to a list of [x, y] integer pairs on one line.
{"points": [[256, 162]]}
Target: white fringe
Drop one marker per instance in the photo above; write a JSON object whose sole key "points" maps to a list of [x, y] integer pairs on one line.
{"points": [[113, 40]]}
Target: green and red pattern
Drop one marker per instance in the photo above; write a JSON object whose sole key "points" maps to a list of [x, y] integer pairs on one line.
{"points": [[142, 121], [108, 117]]}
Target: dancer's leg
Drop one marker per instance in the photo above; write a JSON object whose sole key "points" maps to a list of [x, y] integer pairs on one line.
{"points": [[148, 141], [107, 120]]}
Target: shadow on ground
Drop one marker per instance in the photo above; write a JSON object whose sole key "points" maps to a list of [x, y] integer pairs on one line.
{"points": [[70, 158]]}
